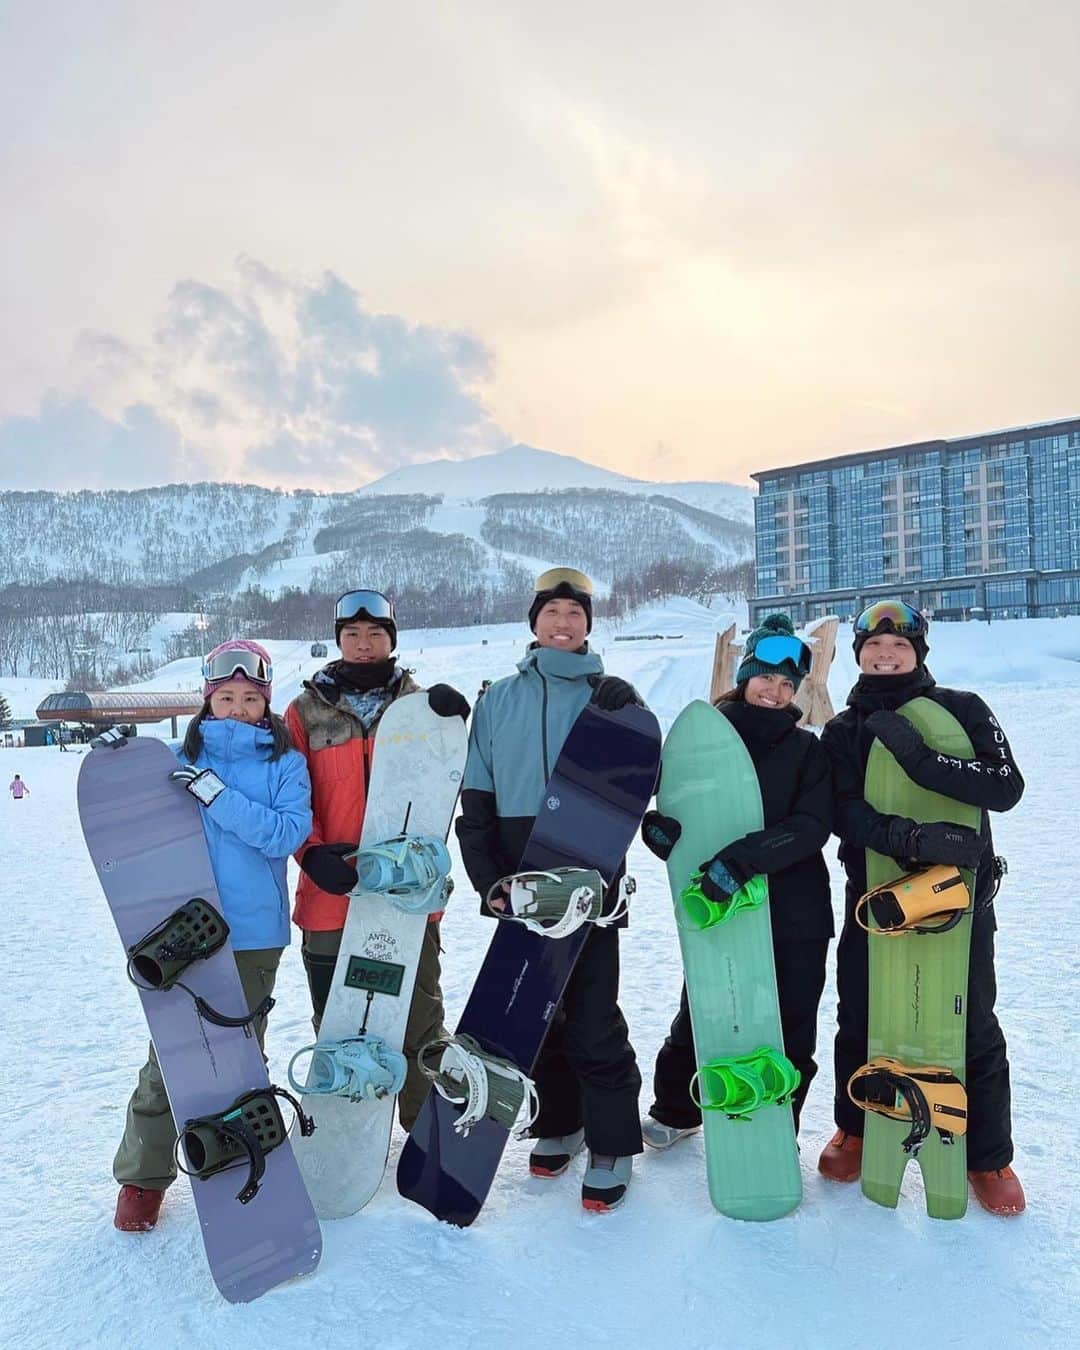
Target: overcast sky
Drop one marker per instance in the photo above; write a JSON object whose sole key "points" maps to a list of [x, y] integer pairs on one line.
{"points": [[303, 244]]}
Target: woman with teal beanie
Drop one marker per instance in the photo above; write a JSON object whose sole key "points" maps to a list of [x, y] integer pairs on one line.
{"points": [[796, 794]]}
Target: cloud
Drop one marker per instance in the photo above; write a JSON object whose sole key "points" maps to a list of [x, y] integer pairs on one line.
{"points": [[276, 378]]}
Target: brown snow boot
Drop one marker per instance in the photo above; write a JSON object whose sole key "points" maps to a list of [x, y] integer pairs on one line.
{"points": [[137, 1209], [999, 1191], [841, 1158]]}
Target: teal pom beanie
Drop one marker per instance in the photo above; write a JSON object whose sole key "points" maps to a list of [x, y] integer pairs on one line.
{"points": [[773, 625]]}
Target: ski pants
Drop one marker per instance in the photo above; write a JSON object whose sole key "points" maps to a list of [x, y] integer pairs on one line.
{"points": [[425, 1023], [145, 1156], [800, 979], [989, 1133], [587, 1073]]}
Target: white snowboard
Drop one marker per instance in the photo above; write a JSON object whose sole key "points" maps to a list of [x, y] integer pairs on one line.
{"points": [[416, 772]]}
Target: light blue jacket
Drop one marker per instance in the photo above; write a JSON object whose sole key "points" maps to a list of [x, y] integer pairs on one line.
{"points": [[252, 827]]}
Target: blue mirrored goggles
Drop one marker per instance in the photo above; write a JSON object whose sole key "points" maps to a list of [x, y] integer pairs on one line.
{"points": [[774, 651], [896, 615], [372, 603]]}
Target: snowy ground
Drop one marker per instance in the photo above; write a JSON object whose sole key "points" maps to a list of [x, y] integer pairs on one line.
{"points": [[536, 1270]]}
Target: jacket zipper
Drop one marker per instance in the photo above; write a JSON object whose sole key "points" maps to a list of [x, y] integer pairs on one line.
{"points": [[543, 726]]}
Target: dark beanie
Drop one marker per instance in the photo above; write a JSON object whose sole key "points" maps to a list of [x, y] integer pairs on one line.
{"points": [[773, 625], [568, 585]]}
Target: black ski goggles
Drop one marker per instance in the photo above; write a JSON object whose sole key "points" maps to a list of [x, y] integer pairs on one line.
{"points": [[896, 616], [775, 650], [353, 604], [225, 665]]}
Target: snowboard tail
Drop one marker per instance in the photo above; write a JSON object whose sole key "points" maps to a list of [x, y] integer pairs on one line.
{"points": [[592, 808], [918, 981]]}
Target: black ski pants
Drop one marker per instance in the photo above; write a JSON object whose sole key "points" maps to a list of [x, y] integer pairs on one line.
{"points": [[587, 1073], [800, 979], [989, 1134]]}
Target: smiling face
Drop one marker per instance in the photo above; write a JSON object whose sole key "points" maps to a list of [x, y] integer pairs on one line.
{"points": [[887, 654], [363, 642], [240, 700], [769, 691], [562, 623]]}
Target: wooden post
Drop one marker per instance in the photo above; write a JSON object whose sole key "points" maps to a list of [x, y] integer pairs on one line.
{"points": [[813, 695], [723, 670]]}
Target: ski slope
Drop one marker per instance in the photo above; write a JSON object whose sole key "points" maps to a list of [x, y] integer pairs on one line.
{"points": [[535, 1270]]}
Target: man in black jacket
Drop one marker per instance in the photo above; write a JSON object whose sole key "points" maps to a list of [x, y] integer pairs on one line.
{"points": [[891, 648]]}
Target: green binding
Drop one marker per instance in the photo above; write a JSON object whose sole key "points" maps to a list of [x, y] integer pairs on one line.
{"points": [[699, 913], [250, 1129], [191, 933], [743, 1084]]}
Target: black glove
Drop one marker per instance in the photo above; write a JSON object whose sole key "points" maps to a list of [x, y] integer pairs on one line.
{"points": [[611, 693], [203, 784], [325, 864], [940, 841], [718, 883], [447, 702], [897, 735], [660, 834]]}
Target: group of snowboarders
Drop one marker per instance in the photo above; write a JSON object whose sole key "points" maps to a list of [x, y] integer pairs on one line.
{"points": [[271, 787]]}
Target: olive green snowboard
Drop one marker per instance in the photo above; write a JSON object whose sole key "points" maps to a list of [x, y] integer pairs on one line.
{"points": [[709, 784], [918, 981]]}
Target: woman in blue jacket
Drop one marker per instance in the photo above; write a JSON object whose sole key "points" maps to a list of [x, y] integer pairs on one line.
{"points": [[238, 763]]}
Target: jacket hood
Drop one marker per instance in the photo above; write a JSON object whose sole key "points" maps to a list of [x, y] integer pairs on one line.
{"points": [[555, 664], [226, 738]]}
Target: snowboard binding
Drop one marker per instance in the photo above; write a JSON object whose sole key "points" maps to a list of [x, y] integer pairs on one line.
{"points": [[194, 932], [742, 1084], [412, 871], [361, 1068], [929, 900], [556, 903], [484, 1085], [930, 1098], [698, 913], [250, 1129]]}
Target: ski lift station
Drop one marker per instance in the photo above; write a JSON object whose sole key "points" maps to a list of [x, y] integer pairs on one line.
{"points": [[102, 710]]}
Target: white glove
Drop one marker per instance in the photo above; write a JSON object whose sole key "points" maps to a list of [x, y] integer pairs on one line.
{"points": [[203, 784]]}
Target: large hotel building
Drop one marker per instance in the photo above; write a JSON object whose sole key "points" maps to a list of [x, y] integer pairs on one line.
{"points": [[983, 527]]}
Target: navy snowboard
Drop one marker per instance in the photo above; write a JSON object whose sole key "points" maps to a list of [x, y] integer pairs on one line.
{"points": [[146, 841], [592, 809]]}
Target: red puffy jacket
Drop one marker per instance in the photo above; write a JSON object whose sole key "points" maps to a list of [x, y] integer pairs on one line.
{"points": [[338, 752]]}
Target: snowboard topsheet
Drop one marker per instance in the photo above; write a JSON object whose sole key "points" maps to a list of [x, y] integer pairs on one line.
{"points": [[592, 808], [416, 773], [709, 784], [918, 981], [146, 840]]}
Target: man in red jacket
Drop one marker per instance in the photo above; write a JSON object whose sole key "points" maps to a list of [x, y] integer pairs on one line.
{"points": [[333, 724]]}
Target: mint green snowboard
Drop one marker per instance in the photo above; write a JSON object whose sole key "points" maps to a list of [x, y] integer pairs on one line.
{"points": [[709, 784], [918, 982]]}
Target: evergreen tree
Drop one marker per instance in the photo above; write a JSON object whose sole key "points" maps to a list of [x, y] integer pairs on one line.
{"points": [[5, 712]]}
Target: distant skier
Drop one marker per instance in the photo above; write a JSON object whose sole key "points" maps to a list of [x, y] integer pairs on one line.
{"points": [[587, 1075], [796, 794], [891, 648], [333, 724], [237, 761], [18, 788]]}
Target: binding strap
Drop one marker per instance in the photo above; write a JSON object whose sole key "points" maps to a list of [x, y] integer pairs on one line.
{"points": [[250, 1129], [483, 1084], [194, 932], [361, 1068], [929, 900], [698, 913], [557, 903], [739, 1085], [930, 1098]]}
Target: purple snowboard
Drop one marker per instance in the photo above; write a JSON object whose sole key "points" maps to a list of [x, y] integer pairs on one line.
{"points": [[146, 841]]}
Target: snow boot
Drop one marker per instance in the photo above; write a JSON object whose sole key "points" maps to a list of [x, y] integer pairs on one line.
{"points": [[551, 1157], [137, 1209], [999, 1191], [841, 1158], [660, 1136], [605, 1183]]}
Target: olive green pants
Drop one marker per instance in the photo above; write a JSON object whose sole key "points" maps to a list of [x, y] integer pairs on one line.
{"points": [[425, 1022], [145, 1156]]}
